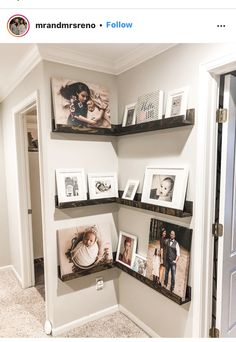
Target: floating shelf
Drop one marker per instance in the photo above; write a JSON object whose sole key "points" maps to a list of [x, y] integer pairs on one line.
{"points": [[159, 288], [118, 130], [136, 203]]}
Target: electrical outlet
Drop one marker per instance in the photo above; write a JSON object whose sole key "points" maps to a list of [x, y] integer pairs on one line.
{"points": [[99, 283]]}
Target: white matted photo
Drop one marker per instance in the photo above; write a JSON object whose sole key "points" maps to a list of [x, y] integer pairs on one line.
{"points": [[126, 249], [102, 185], [165, 187], [177, 102], [129, 117], [150, 107], [140, 264], [71, 185], [130, 189]]}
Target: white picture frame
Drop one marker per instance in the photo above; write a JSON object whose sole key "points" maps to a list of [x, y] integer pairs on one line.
{"points": [[140, 264], [126, 249], [102, 185], [149, 107], [71, 185], [165, 186], [177, 102], [129, 117], [130, 189]]}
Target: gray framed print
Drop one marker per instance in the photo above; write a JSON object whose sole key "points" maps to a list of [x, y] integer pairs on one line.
{"points": [[177, 102], [129, 117], [102, 185], [149, 107], [71, 185], [165, 186]]}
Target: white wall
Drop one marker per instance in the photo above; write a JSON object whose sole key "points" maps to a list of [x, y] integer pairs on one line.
{"points": [[172, 69], [4, 233]]}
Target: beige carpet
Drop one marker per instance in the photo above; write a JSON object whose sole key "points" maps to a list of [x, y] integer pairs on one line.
{"points": [[22, 315]]}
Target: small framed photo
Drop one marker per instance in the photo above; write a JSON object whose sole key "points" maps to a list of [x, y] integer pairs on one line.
{"points": [[150, 107], [177, 102], [140, 264], [71, 185], [129, 115], [130, 189], [102, 185], [165, 187], [126, 249]]}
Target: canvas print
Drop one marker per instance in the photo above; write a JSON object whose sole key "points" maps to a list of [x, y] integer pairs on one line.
{"points": [[140, 265], [80, 104], [71, 185], [126, 249], [102, 185], [129, 115], [84, 249], [177, 101], [168, 256], [130, 189], [165, 187], [150, 107]]}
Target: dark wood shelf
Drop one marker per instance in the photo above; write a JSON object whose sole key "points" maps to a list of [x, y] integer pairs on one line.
{"points": [[159, 288], [136, 203], [118, 130]]}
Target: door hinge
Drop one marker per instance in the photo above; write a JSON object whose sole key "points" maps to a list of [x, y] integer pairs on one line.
{"points": [[214, 332], [29, 211], [217, 229], [221, 115]]}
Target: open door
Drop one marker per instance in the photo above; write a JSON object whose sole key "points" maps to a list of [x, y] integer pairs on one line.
{"points": [[226, 269]]}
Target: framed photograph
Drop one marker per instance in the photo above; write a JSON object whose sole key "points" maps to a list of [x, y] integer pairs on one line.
{"points": [[149, 107], [126, 249], [129, 115], [84, 249], [168, 256], [165, 187], [71, 185], [102, 185], [177, 102], [80, 105], [130, 189], [140, 264]]}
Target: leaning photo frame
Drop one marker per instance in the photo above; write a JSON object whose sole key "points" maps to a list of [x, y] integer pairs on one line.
{"points": [[129, 117], [130, 189], [126, 249], [165, 186], [71, 185], [177, 102], [102, 185]]}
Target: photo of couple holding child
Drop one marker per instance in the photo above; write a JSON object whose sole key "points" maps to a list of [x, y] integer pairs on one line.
{"points": [[80, 105]]}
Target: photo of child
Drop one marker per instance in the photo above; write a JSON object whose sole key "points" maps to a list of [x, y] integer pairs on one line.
{"points": [[162, 187], [126, 249]]}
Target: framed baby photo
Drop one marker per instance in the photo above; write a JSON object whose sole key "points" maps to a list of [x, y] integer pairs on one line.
{"points": [[129, 117], [126, 249], [130, 189], [79, 105], [102, 185], [84, 249], [149, 107], [165, 186], [140, 264], [177, 102], [71, 185]]}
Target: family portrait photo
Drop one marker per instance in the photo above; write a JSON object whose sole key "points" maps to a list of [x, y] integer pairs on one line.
{"points": [[84, 249], [71, 185], [140, 265], [18, 25], [80, 104], [168, 256], [165, 186], [126, 249]]}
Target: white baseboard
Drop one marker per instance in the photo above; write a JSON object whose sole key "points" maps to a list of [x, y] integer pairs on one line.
{"points": [[137, 321], [5, 268], [16, 274], [81, 321]]}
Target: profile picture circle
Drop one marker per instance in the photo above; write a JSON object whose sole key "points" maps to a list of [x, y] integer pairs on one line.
{"points": [[18, 25]]}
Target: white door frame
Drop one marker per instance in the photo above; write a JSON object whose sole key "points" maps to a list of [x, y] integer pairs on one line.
{"points": [[205, 190], [26, 235]]}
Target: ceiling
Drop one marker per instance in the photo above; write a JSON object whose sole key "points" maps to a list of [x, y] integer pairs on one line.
{"points": [[17, 60]]}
